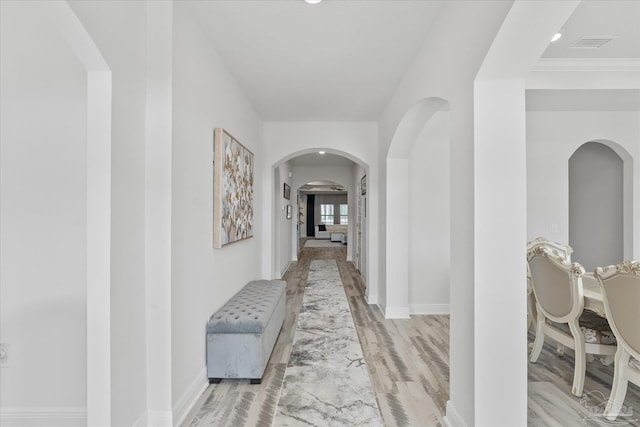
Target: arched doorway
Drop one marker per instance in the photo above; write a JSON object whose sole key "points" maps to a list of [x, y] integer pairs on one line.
{"points": [[417, 232], [596, 205], [301, 171]]}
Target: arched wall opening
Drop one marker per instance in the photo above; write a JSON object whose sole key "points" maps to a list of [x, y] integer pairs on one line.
{"points": [[601, 228], [286, 231], [417, 228]]}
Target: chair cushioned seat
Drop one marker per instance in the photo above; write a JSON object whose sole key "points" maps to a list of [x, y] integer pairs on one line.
{"points": [[595, 328]]}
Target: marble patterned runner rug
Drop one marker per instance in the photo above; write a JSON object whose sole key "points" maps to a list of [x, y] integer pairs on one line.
{"points": [[326, 382]]}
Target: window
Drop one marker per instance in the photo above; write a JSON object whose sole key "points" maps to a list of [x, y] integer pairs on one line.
{"points": [[344, 214], [326, 214]]}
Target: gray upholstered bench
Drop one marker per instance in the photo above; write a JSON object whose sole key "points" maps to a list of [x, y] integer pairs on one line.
{"points": [[242, 334]]}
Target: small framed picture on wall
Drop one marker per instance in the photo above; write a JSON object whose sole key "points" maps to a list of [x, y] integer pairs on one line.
{"points": [[363, 185], [287, 191]]}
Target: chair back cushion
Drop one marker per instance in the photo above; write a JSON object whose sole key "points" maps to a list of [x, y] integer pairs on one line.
{"points": [[621, 288], [552, 286]]}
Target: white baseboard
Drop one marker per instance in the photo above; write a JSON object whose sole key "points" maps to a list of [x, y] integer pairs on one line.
{"points": [[452, 417], [43, 417], [282, 273], [160, 418], [396, 313], [143, 421], [371, 299], [184, 405], [381, 309], [155, 419], [429, 308]]}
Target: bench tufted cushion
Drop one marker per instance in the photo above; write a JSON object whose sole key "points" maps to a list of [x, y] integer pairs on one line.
{"points": [[250, 309]]}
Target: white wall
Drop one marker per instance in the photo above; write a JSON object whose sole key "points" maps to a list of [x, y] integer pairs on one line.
{"points": [[359, 223], [285, 228], [354, 140], [43, 110], [429, 218], [552, 137], [440, 71], [205, 96], [125, 52]]}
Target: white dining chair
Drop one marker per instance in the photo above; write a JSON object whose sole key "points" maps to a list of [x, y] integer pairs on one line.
{"points": [[620, 286], [563, 251], [557, 286]]}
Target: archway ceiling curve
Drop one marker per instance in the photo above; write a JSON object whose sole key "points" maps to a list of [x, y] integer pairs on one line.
{"points": [[412, 123], [330, 151]]}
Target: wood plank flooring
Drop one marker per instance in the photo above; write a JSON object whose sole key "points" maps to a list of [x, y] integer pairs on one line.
{"points": [[551, 402], [408, 362]]}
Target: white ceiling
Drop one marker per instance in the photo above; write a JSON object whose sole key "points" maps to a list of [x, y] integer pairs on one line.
{"points": [[341, 60], [334, 61], [617, 19]]}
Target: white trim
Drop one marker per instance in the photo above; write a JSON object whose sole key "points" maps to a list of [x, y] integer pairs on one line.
{"points": [[396, 313], [605, 73], [588, 64], [371, 299], [43, 417], [381, 308], [283, 272], [429, 308], [452, 417], [154, 418], [190, 397], [160, 418], [143, 421]]}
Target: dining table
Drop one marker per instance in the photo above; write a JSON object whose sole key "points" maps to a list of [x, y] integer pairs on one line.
{"points": [[592, 293]]}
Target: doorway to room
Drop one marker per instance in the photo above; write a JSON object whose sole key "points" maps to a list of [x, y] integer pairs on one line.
{"points": [[325, 190]]}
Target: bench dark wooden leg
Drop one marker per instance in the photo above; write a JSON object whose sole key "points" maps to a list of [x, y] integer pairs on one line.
{"points": [[215, 380], [255, 380]]}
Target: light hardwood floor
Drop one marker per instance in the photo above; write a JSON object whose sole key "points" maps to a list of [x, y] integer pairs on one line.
{"points": [[408, 361], [551, 402]]}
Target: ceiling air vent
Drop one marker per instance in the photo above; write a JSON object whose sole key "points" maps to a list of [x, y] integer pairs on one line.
{"points": [[592, 42]]}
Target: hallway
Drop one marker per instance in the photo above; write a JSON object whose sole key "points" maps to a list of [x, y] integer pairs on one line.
{"points": [[407, 360]]}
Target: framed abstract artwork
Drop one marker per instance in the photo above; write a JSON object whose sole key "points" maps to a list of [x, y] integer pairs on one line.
{"points": [[363, 185], [232, 190], [287, 191]]}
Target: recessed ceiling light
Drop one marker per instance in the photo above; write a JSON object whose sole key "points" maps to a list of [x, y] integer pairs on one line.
{"points": [[321, 152], [313, 1], [556, 37]]}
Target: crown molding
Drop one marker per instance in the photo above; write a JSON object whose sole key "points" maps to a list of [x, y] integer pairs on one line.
{"points": [[587, 65], [581, 73]]}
